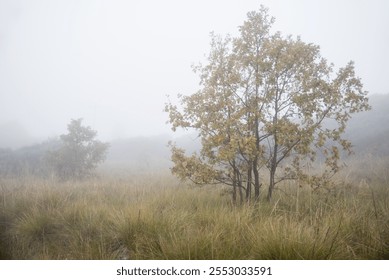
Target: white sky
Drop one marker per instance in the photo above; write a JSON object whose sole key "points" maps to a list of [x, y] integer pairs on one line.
{"points": [[113, 62]]}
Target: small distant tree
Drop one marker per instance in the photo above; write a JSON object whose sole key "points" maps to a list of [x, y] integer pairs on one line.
{"points": [[79, 153], [265, 103]]}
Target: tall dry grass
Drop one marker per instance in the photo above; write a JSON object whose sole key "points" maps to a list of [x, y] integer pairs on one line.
{"points": [[157, 217]]}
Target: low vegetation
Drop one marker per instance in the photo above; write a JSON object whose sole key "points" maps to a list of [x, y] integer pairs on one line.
{"points": [[157, 217]]}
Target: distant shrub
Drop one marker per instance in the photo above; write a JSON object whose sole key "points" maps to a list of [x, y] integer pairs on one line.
{"points": [[79, 152]]}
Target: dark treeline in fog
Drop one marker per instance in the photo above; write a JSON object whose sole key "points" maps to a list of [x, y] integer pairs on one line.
{"points": [[27, 160], [369, 131]]}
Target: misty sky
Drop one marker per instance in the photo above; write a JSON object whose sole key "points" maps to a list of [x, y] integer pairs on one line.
{"points": [[113, 62]]}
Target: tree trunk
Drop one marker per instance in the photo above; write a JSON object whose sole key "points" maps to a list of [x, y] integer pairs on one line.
{"points": [[257, 185], [240, 194], [273, 163], [234, 192], [272, 182], [249, 181], [273, 169], [234, 183]]}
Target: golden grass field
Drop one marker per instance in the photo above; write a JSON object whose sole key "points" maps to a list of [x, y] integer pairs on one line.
{"points": [[154, 216]]}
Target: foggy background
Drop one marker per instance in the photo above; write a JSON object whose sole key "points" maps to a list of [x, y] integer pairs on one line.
{"points": [[113, 62]]}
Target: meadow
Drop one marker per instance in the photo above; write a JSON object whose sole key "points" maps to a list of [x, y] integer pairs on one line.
{"points": [[155, 216]]}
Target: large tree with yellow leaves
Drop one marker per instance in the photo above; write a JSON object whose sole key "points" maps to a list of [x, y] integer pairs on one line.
{"points": [[266, 103]]}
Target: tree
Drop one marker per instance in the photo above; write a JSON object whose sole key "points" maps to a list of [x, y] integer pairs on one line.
{"points": [[267, 103], [79, 153]]}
